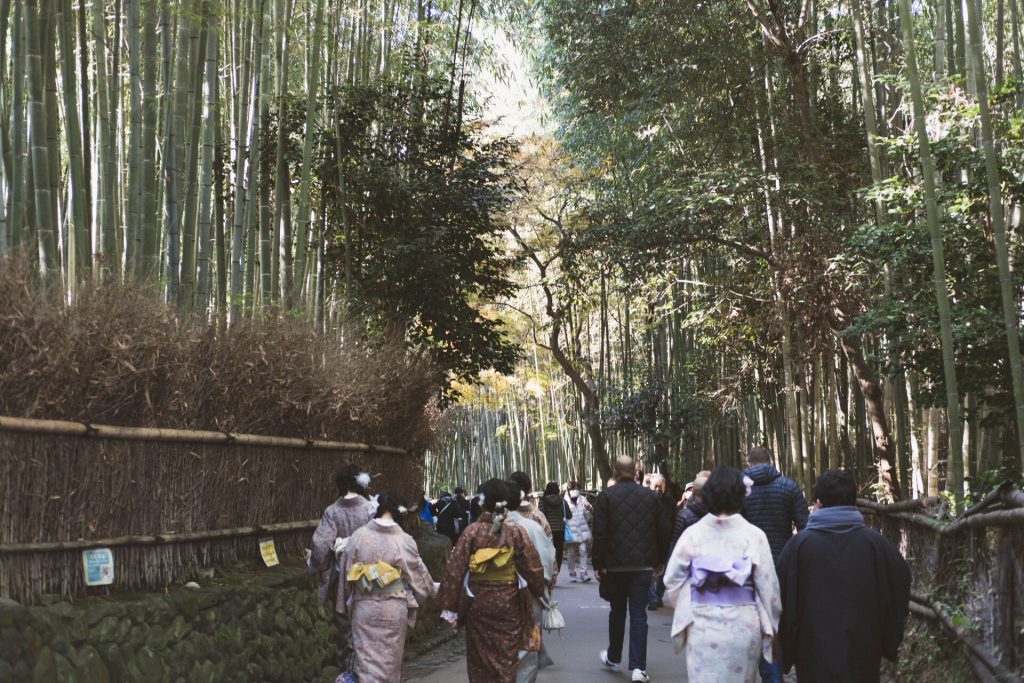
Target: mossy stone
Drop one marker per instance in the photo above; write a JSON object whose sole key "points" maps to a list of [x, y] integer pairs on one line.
{"points": [[11, 613], [114, 659], [45, 670], [91, 667], [146, 666]]}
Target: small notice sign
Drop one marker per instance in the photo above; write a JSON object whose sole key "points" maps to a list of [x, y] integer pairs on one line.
{"points": [[269, 552], [99, 566]]}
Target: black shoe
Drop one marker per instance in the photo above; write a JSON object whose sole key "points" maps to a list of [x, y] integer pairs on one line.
{"points": [[651, 606], [661, 603]]}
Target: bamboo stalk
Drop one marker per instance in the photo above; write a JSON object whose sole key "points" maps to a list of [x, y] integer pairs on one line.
{"points": [[162, 538], [60, 428]]}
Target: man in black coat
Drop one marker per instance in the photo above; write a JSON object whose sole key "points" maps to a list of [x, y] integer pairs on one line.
{"points": [[845, 591], [775, 505], [631, 534]]}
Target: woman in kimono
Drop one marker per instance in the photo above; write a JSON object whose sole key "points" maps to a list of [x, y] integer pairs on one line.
{"points": [[721, 579], [352, 510], [385, 582], [484, 588]]}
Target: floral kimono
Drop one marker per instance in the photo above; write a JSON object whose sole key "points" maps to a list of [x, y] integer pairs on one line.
{"points": [[721, 579], [384, 583], [485, 582]]}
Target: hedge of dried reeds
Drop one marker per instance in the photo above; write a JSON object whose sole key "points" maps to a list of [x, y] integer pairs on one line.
{"points": [[117, 356]]}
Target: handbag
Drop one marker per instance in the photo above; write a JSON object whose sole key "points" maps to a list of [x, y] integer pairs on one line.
{"points": [[567, 534], [552, 619]]}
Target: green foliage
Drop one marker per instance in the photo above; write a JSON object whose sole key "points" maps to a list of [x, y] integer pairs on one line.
{"points": [[908, 317], [416, 219]]}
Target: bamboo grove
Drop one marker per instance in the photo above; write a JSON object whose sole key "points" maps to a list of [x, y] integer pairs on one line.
{"points": [[251, 157], [792, 223]]}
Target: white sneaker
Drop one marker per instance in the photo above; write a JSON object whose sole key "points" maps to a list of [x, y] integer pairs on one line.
{"points": [[608, 664], [641, 676]]}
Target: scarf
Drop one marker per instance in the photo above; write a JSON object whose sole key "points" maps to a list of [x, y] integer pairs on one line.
{"points": [[839, 519]]}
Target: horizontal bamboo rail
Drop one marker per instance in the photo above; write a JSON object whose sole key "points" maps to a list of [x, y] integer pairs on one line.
{"points": [[973, 517], [84, 429], [923, 607], [156, 539]]}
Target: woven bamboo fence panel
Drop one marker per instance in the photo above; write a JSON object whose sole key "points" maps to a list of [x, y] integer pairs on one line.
{"points": [[975, 573], [141, 489]]}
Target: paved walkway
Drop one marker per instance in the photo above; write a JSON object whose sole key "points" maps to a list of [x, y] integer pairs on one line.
{"points": [[586, 634]]}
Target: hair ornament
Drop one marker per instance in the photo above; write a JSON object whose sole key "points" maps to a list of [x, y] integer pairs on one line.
{"points": [[363, 479], [402, 509]]}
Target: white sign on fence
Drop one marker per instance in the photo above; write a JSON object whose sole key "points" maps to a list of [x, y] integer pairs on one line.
{"points": [[99, 566], [269, 552]]}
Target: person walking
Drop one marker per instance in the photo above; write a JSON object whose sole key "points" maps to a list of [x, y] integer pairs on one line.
{"points": [[526, 508], [840, 636], [631, 536], [659, 484], [339, 521], [530, 663], [694, 509], [557, 512], [579, 533], [775, 505], [384, 584], [480, 589], [721, 580]]}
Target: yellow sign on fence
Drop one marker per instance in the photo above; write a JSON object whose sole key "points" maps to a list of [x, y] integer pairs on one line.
{"points": [[269, 552]]}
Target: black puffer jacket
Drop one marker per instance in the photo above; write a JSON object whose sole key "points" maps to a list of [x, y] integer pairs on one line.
{"points": [[685, 518], [631, 529], [556, 511], [775, 505]]}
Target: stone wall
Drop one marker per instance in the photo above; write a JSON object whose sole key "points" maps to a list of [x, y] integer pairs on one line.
{"points": [[261, 625]]}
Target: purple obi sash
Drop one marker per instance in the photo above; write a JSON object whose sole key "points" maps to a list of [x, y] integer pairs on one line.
{"points": [[716, 580]]}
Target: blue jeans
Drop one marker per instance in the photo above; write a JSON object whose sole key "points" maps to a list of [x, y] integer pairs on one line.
{"points": [[657, 590], [770, 672], [629, 591]]}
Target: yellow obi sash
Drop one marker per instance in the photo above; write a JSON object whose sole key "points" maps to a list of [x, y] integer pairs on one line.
{"points": [[377, 577], [493, 564]]}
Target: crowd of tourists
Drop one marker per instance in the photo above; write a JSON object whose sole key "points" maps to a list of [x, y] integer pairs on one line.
{"points": [[759, 582]]}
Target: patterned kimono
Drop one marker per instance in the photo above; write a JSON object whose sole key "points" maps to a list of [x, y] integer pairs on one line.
{"points": [[498, 614], [721, 579], [381, 615], [527, 510], [340, 520]]}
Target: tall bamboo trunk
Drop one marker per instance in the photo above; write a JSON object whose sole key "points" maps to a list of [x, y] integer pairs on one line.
{"points": [[938, 257], [312, 89], [149, 226], [206, 200], [105, 208], [1011, 310], [49, 255]]}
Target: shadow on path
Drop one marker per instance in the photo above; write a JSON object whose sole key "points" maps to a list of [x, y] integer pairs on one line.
{"points": [[575, 653]]}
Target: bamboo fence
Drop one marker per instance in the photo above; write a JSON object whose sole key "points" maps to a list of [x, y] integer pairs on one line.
{"points": [[168, 501], [970, 567]]}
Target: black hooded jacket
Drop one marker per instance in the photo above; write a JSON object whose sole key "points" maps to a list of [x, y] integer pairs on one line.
{"points": [[775, 505]]}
